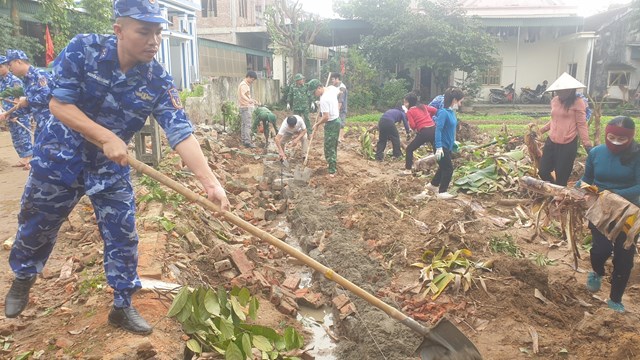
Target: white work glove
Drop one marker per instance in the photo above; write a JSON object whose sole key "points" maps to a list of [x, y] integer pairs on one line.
{"points": [[439, 154], [288, 107]]}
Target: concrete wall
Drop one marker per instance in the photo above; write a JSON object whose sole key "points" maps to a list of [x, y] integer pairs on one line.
{"points": [[203, 110]]}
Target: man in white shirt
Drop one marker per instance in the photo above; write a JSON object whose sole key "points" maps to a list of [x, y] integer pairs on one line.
{"points": [[330, 110], [292, 129], [342, 100]]}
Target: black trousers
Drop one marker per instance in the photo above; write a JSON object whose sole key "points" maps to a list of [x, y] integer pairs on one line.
{"points": [[425, 135], [558, 158], [442, 178], [601, 250], [388, 131]]}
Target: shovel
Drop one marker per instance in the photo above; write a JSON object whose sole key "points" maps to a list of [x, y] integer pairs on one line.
{"points": [[441, 342]]}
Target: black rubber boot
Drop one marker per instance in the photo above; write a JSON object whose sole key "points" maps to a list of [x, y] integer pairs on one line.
{"points": [[129, 319], [18, 297]]}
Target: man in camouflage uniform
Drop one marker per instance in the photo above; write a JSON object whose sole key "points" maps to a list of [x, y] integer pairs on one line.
{"points": [[105, 88], [20, 136], [298, 99], [330, 110], [264, 115], [36, 88]]}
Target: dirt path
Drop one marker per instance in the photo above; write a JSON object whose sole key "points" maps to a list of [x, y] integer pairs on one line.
{"points": [[366, 226], [12, 181]]}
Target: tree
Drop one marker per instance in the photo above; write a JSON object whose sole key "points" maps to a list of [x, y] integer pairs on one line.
{"points": [[292, 30], [8, 40], [433, 35], [66, 21]]}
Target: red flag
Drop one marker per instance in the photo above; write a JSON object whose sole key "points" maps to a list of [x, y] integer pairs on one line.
{"points": [[49, 56]]}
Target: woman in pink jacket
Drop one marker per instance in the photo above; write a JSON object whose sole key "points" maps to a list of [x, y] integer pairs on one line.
{"points": [[568, 122], [421, 121]]}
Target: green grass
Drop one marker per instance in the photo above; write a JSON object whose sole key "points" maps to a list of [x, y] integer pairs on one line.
{"points": [[493, 125]]}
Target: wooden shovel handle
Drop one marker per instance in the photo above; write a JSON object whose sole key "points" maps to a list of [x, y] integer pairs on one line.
{"points": [[306, 156], [272, 240]]}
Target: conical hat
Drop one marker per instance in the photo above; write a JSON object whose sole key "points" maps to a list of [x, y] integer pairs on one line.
{"points": [[565, 81]]}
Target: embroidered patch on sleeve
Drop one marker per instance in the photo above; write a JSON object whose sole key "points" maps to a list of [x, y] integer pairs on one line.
{"points": [[175, 98], [42, 81]]}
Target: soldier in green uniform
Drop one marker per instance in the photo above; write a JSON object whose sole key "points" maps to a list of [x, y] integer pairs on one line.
{"points": [[266, 116], [330, 110], [298, 99]]}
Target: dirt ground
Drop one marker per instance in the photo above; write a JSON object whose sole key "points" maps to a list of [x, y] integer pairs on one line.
{"points": [[365, 225]]}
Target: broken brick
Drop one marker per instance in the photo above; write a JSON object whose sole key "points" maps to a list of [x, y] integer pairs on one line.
{"points": [[291, 282], [311, 299], [287, 309], [348, 309], [244, 265], [222, 265], [276, 295], [340, 301], [261, 279]]}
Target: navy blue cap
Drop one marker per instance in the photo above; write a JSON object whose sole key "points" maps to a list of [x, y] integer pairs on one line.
{"points": [[143, 10], [3, 60], [16, 55]]}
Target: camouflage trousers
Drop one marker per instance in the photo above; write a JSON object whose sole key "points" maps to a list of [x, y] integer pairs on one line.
{"points": [[21, 138], [305, 117], [45, 205], [265, 127], [331, 134]]}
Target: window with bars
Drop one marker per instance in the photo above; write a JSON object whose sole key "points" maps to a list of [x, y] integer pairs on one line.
{"points": [[491, 76], [619, 78], [209, 8]]}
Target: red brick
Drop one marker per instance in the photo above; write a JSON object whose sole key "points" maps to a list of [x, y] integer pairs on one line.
{"points": [[291, 282], [276, 295], [340, 301], [347, 310], [222, 265], [300, 293], [261, 279], [314, 300], [244, 265], [287, 309]]}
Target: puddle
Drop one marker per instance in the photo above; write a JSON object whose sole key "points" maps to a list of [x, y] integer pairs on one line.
{"points": [[317, 322]]}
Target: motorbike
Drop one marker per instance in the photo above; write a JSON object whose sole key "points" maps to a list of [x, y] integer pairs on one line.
{"points": [[504, 95], [537, 96]]}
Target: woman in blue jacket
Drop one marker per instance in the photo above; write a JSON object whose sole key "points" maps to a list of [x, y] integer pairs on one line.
{"points": [[446, 124], [614, 166]]}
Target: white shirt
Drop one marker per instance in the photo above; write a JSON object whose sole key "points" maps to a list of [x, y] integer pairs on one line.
{"points": [[285, 129], [329, 102]]}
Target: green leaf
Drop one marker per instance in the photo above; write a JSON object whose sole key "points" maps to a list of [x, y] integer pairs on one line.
{"points": [[233, 352], [186, 312], [222, 300], [24, 355], [254, 305], [179, 301], [226, 329], [264, 331], [262, 343], [292, 339], [194, 346], [211, 303], [238, 309], [246, 344], [244, 296]]}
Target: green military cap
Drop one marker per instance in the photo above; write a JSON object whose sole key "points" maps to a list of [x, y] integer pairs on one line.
{"points": [[313, 84], [298, 76]]}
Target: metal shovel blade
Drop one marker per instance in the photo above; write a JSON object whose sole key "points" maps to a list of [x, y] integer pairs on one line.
{"points": [[446, 342]]}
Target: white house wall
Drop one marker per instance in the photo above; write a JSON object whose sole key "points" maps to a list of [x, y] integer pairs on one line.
{"points": [[534, 63]]}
